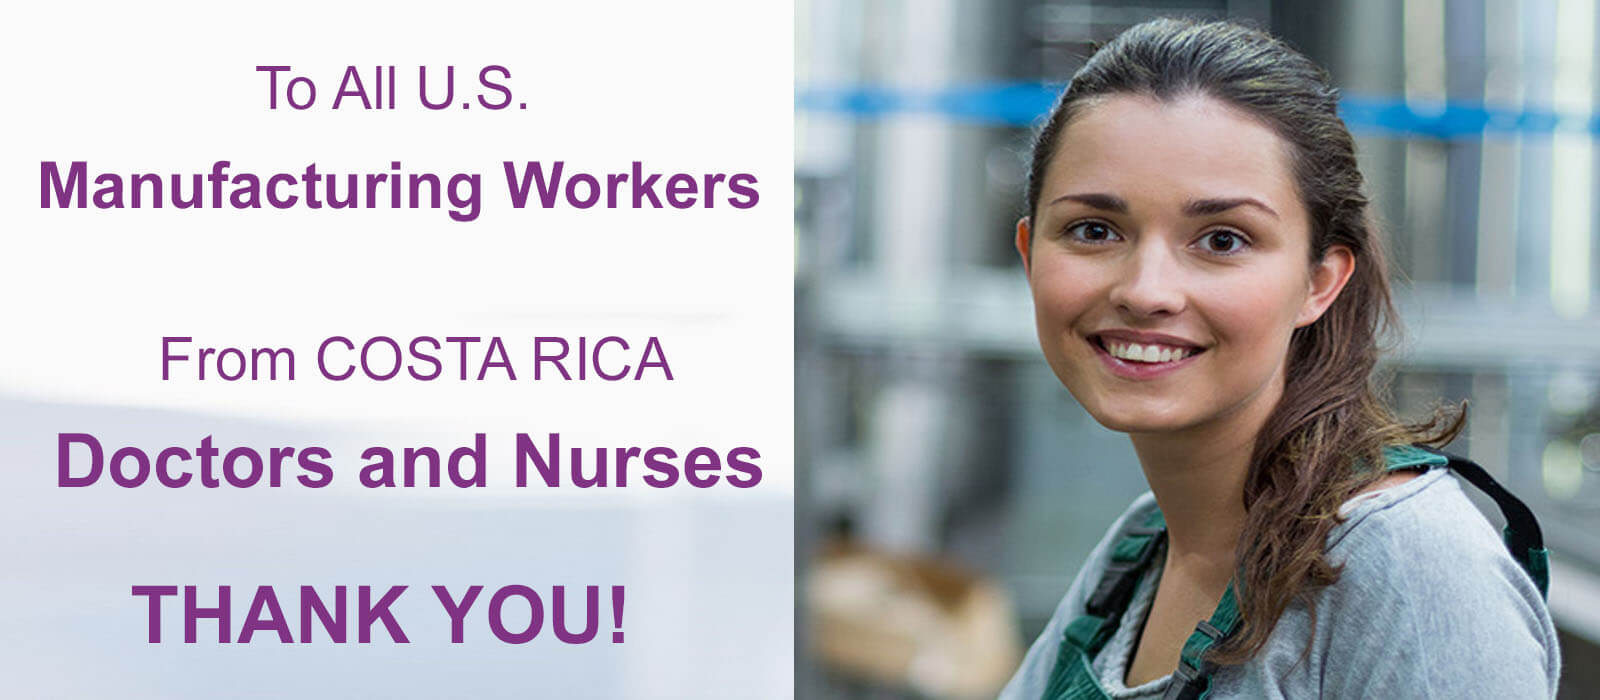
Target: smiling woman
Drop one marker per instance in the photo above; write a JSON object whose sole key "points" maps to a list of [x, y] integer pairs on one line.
{"points": [[1208, 279], [1165, 250]]}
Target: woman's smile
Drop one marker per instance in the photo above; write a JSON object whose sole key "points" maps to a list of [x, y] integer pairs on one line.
{"points": [[1140, 356]]}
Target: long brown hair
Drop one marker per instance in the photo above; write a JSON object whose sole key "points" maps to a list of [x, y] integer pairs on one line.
{"points": [[1323, 442]]}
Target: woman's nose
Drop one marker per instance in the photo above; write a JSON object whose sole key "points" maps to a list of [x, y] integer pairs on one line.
{"points": [[1150, 282]]}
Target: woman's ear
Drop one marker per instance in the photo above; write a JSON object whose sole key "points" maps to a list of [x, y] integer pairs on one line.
{"points": [[1328, 278], [1024, 238]]}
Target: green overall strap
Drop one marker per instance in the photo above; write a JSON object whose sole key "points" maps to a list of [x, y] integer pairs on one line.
{"points": [[1192, 680], [1522, 534], [1072, 677]]}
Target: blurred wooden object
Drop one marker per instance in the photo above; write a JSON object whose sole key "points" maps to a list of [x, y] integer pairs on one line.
{"points": [[912, 622]]}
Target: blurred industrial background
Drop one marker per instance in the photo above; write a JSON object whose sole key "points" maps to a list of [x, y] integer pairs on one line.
{"points": [[949, 487]]}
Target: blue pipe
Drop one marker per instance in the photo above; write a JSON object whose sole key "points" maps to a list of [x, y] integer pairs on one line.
{"points": [[1024, 104]]}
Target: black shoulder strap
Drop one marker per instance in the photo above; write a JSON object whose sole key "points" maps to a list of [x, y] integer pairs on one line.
{"points": [[1523, 536]]}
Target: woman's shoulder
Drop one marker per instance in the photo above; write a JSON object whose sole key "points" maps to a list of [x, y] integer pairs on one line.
{"points": [[1428, 510], [1426, 578], [1420, 506], [1427, 514], [1421, 532]]}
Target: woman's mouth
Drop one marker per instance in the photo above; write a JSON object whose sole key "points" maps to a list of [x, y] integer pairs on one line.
{"points": [[1142, 360]]}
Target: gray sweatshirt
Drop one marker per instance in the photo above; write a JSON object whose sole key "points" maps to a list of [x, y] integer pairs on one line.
{"points": [[1430, 605]]}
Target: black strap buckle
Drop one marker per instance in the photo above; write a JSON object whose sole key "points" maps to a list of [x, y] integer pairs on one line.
{"points": [[1206, 628], [1188, 683]]}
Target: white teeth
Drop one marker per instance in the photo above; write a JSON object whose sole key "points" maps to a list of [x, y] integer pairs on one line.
{"points": [[1151, 353]]}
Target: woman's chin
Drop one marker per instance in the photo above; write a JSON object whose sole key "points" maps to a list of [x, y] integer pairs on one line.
{"points": [[1140, 419]]}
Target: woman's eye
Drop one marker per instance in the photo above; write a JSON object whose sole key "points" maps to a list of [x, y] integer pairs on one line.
{"points": [[1091, 232], [1223, 242]]}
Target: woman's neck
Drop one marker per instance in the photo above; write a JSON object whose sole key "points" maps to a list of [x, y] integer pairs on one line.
{"points": [[1198, 475]]}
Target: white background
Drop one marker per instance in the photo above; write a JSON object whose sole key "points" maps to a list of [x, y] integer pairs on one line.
{"points": [[87, 294]]}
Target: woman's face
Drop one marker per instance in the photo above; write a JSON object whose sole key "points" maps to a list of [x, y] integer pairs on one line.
{"points": [[1168, 259]]}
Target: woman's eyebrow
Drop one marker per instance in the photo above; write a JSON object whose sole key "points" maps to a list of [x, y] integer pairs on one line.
{"points": [[1097, 200], [1205, 207], [1193, 207]]}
